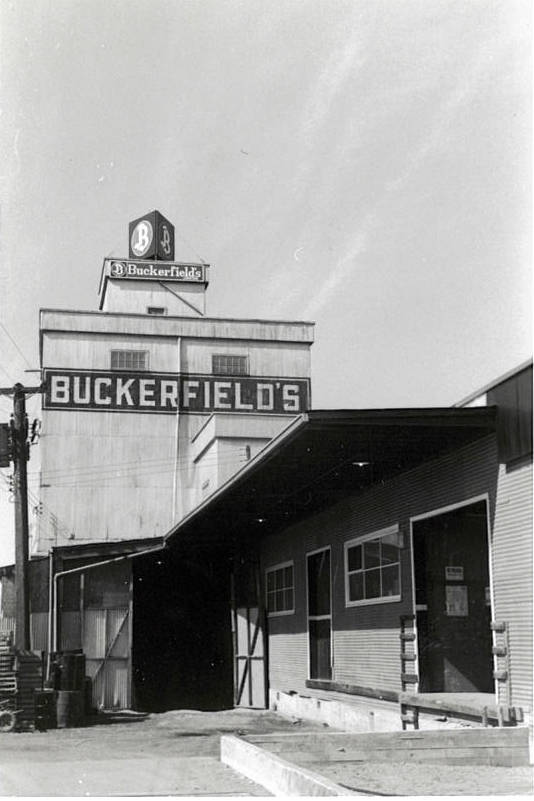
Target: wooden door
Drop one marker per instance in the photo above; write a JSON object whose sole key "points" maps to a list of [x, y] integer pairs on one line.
{"points": [[248, 635], [452, 601]]}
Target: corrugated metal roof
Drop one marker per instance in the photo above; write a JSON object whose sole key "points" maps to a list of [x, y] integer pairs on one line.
{"points": [[324, 456]]}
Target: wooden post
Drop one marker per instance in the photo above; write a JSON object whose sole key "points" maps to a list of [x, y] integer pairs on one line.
{"points": [[20, 448]]}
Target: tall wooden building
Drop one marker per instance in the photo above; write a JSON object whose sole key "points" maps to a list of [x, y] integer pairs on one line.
{"points": [[150, 404]]}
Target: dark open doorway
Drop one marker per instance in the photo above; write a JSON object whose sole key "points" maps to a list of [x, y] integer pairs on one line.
{"points": [[319, 615], [182, 639], [453, 605]]}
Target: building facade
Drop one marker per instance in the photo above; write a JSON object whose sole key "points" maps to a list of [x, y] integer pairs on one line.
{"points": [[149, 404]]}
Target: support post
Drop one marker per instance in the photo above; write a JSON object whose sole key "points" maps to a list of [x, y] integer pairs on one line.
{"points": [[20, 448]]}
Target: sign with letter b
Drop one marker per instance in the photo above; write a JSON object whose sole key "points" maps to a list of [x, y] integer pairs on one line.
{"points": [[152, 238]]}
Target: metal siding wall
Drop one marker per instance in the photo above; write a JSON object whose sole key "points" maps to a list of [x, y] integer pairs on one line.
{"points": [[70, 631], [39, 631], [288, 661], [512, 574], [366, 638]]}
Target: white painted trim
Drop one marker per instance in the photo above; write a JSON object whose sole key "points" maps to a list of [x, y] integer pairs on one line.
{"points": [[388, 599], [273, 569], [489, 540], [417, 666], [450, 508], [374, 535]]}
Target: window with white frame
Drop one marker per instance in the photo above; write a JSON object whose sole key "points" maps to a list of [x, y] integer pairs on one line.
{"points": [[372, 567], [129, 359], [229, 364], [280, 589]]}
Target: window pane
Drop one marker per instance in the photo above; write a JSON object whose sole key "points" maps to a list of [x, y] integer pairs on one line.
{"points": [[270, 602], [129, 359], [390, 581], [227, 364], [354, 557], [372, 583], [371, 552], [270, 581], [279, 600], [356, 587], [288, 576], [390, 553], [288, 600]]}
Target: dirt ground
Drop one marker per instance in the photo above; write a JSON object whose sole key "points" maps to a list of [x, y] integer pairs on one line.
{"points": [[177, 754], [398, 779], [173, 753]]}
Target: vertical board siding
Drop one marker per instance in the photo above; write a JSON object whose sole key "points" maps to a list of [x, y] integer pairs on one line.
{"points": [[512, 574], [106, 645], [39, 631], [366, 649], [70, 639]]}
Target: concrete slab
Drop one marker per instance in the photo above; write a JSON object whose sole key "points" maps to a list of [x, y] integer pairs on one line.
{"points": [[280, 777], [131, 777], [459, 762]]}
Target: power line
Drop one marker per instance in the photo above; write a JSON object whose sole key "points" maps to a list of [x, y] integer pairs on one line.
{"points": [[15, 344]]}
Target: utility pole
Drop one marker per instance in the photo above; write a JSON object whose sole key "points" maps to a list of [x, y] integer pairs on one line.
{"points": [[20, 452], [20, 481]]}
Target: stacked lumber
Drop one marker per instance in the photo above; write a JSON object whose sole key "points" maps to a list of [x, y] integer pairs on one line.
{"points": [[28, 668], [8, 681]]}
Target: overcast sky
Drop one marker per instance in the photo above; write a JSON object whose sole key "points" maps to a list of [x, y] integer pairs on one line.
{"points": [[362, 164]]}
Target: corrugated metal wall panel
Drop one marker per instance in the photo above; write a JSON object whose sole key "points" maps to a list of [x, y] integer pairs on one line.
{"points": [[117, 634], [288, 661], [70, 639], [39, 631], [366, 638], [94, 640], [7, 625], [512, 574], [106, 645]]}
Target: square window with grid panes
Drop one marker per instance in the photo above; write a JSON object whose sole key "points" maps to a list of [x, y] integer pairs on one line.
{"points": [[372, 568], [129, 359], [280, 589], [229, 364]]}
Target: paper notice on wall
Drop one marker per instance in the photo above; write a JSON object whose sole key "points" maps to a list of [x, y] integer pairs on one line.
{"points": [[454, 573], [456, 600]]}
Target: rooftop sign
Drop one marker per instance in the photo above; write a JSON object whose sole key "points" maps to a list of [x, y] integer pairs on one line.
{"points": [[151, 237], [154, 270], [124, 391]]}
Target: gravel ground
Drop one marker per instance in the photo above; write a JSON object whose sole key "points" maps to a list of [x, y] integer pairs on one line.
{"points": [[173, 753], [417, 779], [378, 778]]}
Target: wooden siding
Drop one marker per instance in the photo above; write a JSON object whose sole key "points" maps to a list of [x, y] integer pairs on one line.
{"points": [[150, 325], [366, 638], [512, 574], [123, 475]]}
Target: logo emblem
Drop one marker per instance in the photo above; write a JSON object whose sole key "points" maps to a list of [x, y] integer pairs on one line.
{"points": [[165, 240], [142, 236], [117, 269]]}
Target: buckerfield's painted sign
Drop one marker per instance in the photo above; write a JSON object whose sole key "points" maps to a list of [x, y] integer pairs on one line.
{"points": [[171, 392], [154, 270]]}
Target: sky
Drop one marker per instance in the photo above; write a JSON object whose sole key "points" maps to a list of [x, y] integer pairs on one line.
{"points": [[365, 165]]}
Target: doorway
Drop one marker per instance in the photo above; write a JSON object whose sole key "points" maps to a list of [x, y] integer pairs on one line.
{"points": [[452, 601], [182, 638], [319, 614]]}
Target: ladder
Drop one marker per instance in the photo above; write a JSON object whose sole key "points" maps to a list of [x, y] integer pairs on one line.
{"points": [[408, 658]]}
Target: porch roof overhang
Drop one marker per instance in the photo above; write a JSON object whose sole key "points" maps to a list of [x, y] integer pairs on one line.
{"points": [[322, 457]]}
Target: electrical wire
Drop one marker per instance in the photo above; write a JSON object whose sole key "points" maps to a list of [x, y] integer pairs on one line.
{"points": [[15, 344]]}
